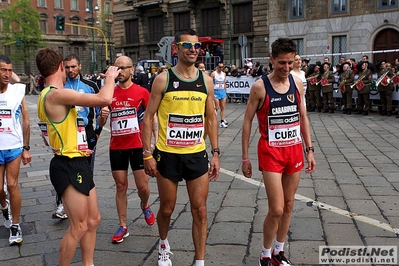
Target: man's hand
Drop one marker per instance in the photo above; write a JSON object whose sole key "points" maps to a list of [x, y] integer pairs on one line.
{"points": [[246, 168], [214, 168], [26, 157]]}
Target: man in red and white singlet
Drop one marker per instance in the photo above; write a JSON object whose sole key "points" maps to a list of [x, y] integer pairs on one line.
{"points": [[283, 123], [126, 116]]}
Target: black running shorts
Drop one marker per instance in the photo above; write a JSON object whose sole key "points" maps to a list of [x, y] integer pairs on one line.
{"points": [[75, 171], [177, 167], [120, 159]]}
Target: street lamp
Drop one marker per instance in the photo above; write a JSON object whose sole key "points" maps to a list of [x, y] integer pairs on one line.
{"points": [[91, 10]]}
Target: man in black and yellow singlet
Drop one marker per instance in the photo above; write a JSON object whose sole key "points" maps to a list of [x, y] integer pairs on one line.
{"points": [[69, 169], [180, 151]]}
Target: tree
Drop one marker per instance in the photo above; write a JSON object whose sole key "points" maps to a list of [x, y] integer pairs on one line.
{"points": [[21, 26]]}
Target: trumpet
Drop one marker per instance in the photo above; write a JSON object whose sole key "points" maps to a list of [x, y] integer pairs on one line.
{"points": [[357, 81], [381, 78]]}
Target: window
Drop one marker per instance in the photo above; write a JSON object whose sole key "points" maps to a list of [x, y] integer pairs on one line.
{"points": [[76, 51], [339, 7], [182, 21], [382, 4], [61, 50], [155, 25], [132, 31], [74, 4], [242, 18], [338, 46], [75, 30], [296, 9], [210, 22], [58, 4], [43, 22], [107, 8], [41, 3], [299, 46]]}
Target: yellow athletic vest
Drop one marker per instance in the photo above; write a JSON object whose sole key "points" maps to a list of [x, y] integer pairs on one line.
{"points": [[63, 135], [181, 115]]}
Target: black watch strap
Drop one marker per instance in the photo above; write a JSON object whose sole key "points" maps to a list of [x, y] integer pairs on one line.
{"points": [[309, 149], [215, 150], [26, 147]]}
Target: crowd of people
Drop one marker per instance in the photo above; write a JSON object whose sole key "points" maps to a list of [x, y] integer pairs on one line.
{"points": [[158, 126], [321, 79]]}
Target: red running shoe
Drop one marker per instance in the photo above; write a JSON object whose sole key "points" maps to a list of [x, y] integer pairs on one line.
{"points": [[149, 216], [120, 234]]}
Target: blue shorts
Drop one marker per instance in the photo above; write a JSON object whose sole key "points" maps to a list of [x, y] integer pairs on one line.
{"points": [[7, 156], [220, 94]]}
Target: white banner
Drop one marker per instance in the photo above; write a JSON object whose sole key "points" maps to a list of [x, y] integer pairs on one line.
{"points": [[242, 85]]}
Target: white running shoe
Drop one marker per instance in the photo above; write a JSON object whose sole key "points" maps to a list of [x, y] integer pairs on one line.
{"points": [[60, 212], [223, 124], [163, 256], [7, 214], [15, 235]]}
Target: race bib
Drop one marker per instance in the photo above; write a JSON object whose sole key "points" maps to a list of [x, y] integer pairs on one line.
{"points": [[219, 85], [184, 131], [43, 129], [82, 139], [6, 124], [284, 130], [124, 122]]}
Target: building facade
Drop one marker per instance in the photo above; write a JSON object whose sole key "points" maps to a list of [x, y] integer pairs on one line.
{"points": [[351, 27], [320, 28], [89, 45], [140, 25]]}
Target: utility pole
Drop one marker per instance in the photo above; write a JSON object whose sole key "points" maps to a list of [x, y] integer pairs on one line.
{"points": [[91, 10]]}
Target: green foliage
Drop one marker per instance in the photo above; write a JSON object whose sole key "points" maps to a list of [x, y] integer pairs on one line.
{"points": [[21, 22]]}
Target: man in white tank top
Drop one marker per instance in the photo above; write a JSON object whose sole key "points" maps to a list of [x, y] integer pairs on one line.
{"points": [[219, 80]]}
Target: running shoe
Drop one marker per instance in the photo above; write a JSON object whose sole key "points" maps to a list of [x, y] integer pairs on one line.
{"points": [[7, 215], [120, 234], [280, 259], [163, 256], [223, 124], [225, 121], [60, 212], [15, 235], [265, 261], [149, 215]]}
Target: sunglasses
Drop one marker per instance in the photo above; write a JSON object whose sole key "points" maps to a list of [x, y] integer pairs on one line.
{"points": [[124, 67], [188, 45]]}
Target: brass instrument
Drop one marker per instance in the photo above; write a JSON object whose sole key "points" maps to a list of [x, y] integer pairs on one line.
{"points": [[357, 81], [312, 78], [341, 85], [374, 84]]}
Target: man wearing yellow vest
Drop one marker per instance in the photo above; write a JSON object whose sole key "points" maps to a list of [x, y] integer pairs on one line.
{"points": [[180, 96], [69, 169]]}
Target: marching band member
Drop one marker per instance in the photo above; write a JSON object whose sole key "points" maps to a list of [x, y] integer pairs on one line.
{"points": [[314, 88], [385, 87], [363, 88], [327, 79], [346, 79]]}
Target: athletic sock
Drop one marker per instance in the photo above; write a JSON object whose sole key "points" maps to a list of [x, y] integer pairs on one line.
{"points": [[266, 252], [165, 242], [279, 247], [199, 262]]}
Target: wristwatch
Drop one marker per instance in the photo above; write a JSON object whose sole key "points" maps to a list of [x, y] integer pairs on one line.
{"points": [[26, 147], [309, 149], [215, 150]]}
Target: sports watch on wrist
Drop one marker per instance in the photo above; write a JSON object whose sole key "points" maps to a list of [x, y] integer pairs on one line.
{"points": [[26, 147], [215, 150]]}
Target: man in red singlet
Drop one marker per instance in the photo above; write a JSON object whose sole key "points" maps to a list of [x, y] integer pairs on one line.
{"points": [[283, 123]]}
